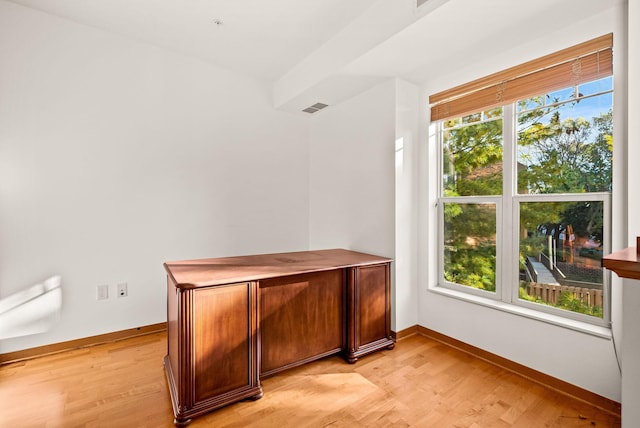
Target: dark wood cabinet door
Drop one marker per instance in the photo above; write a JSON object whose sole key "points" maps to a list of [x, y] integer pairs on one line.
{"points": [[213, 348], [369, 314], [374, 300], [223, 336], [301, 319]]}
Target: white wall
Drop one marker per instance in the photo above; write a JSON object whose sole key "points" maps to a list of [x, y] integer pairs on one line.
{"points": [[630, 289], [580, 358], [633, 129], [116, 156], [351, 174], [406, 259]]}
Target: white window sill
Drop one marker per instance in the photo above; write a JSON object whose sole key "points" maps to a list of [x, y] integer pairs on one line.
{"points": [[583, 327]]}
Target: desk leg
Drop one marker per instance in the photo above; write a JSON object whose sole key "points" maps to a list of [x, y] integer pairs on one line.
{"points": [[181, 422]]}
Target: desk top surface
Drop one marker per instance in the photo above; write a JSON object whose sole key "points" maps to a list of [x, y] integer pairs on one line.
{"points": [[218, 271]]}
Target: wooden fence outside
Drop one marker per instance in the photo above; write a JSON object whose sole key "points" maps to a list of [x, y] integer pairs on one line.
{"points": [[550, 293]]}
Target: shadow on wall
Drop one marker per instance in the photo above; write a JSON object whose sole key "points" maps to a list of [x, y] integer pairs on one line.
{"points": [[31, 311]]}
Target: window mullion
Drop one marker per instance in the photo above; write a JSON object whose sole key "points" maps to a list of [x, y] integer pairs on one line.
{"points": [[507, 231]]}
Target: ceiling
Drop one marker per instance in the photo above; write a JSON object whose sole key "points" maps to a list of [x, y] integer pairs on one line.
{"points": [[328, 50], [260, 38]]}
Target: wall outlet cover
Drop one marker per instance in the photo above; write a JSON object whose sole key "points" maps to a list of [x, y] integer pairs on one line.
{"points": [[122, 289]]}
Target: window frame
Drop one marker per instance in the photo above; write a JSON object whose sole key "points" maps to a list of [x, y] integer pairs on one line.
{"points": [[508, 242], [603, 197], [497, 200]]}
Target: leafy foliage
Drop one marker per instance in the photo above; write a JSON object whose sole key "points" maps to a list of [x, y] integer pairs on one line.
{"points": [[571, 303], [474, 267], [565, 156], [471, 154], [471, 261]]}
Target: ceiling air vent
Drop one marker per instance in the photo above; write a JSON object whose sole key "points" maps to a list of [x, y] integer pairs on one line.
{"points": [[314, 108]]}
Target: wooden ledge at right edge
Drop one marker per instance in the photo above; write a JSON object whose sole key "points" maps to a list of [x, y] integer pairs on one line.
{"points": [[625, 263]]}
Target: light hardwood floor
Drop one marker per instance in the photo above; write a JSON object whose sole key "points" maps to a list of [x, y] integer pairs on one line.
{"points": [[421, 383]]}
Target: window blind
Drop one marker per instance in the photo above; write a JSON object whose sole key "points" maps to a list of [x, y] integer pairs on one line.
{"points": [[581, 63]]}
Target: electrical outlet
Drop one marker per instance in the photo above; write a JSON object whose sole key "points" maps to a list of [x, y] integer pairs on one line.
{"points": [[102, 292], [122, 289]]}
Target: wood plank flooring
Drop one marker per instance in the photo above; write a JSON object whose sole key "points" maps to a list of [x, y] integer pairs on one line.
{"points": [[421, 383]]}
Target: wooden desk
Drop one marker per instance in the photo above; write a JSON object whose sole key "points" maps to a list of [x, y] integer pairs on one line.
{"points": [[234, 320]]}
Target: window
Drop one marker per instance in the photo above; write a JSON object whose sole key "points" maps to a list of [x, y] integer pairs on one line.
{"points": [[525, 183]]}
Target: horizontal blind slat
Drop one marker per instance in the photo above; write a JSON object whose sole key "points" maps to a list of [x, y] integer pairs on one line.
{"points": [[536, 77]]}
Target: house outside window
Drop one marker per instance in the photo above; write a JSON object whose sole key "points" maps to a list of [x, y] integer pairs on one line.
{"points": [[525, 188]]}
